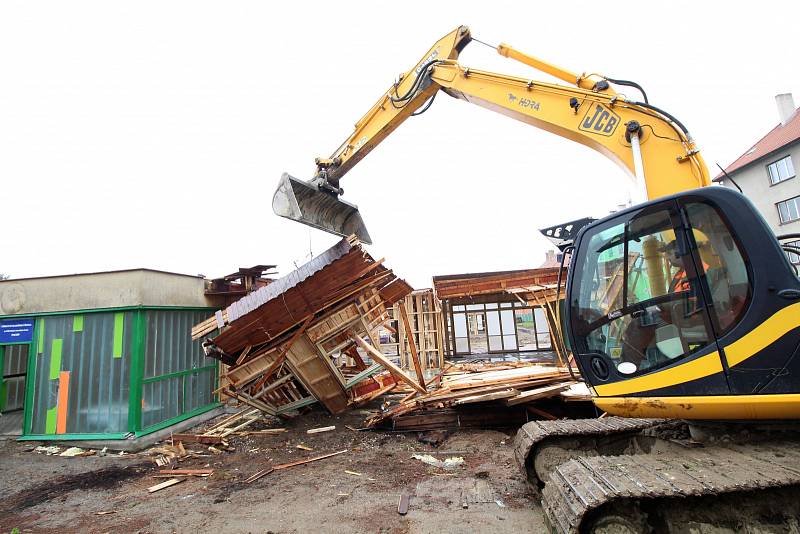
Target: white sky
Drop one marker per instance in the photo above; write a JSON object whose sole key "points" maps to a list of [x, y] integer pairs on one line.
{"points": [[153, 134]]}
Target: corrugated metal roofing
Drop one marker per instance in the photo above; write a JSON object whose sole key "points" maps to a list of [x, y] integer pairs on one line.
{"points": [[261, 296], [777, 138]]}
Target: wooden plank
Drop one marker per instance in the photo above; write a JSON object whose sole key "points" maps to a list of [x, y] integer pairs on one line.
{"points": [[247, 412], [411, 344], [308, 460], [269, 470], [259, 474], [230, 431], [243, 355], [366, 373], [197, 438], [487, 397], [541, 413], [539, 393], [402, 506], [375, 394], [168, 483], [321, 429], [392, 368], [186, 472]]}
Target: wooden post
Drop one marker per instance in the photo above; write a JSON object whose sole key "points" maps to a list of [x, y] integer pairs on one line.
{"points": [[411, 344], [385, 362]]}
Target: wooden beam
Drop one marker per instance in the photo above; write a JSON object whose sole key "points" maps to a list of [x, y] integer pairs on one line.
{"points": [[411, 343], [282, 354], [539, 393], [487, 397], [384, 361]]}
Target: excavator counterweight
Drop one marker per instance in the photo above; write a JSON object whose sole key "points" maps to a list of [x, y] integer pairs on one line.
{"points": [[306, 203]]}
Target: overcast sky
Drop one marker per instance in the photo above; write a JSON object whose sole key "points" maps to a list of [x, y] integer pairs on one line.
{"points": [[153, 134]]}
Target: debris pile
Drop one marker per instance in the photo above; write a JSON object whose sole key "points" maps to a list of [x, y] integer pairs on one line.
{"points": [[500, 394]]}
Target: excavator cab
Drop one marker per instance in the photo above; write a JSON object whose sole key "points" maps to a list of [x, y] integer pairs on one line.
{"points": [[663, 302]]}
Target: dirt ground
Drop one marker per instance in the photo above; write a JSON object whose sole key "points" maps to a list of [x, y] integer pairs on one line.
{"points": [[40, 493]]}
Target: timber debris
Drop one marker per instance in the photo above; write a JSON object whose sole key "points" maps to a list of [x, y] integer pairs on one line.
{"points": [[496, 395], [294, 342]]}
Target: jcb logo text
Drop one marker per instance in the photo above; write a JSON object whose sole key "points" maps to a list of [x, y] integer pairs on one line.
{"points": [[600, 120]]}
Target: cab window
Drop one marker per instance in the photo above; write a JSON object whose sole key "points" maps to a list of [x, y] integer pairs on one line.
{"points": [[639, 301], [723, 264]]}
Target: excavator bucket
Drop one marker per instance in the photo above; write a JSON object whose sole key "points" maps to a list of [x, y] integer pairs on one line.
{"points": [[303, 202]]}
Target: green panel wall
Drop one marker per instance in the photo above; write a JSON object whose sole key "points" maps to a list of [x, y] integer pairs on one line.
{"points": [[178, 377], [95, 348]]}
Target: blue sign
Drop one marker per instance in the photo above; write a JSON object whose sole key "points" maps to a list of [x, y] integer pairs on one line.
{"points": [[16, 330]]}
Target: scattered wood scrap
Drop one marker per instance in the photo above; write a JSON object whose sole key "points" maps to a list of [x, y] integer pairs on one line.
{"points": [[321, 429], [308, 460], [402, 506], [198, 438], [186, 472], [168, 483], [269, 470]]}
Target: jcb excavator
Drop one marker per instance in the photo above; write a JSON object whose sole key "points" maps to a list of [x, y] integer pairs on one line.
{"points": [[681, 308]]}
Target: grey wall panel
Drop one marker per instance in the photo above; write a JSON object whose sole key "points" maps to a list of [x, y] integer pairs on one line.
{"points": [[168, 346], [169, 349]]}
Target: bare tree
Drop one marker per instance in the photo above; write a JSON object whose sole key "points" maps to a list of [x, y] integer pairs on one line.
{"points": [[4, 276]]}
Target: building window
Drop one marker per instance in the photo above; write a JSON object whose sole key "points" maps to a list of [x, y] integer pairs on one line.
{"points": [[789, 210], [781, 170], [794, 258]]}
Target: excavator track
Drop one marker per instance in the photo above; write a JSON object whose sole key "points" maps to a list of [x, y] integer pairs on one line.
{"points": [[662, 489], [584, 485], [537, 434]]}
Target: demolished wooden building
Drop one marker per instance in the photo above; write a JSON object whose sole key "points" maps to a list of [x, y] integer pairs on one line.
{"points": [[294, 342]]}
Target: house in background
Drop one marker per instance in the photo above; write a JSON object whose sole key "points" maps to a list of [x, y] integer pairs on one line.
{"points": [[766, 173]]}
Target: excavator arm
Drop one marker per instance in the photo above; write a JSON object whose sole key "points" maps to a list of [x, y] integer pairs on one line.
{"points": [[652, 146]]}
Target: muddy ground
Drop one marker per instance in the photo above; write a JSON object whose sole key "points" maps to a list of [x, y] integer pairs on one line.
{"points": [[40, 493]]}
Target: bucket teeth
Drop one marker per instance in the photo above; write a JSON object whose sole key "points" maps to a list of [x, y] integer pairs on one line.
{"points": [[303, 202]]}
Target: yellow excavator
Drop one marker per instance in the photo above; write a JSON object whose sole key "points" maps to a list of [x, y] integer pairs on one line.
{"points": [[681, 308]]}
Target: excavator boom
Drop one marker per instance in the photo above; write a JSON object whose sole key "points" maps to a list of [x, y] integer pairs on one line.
{"points": [[645, 141]]}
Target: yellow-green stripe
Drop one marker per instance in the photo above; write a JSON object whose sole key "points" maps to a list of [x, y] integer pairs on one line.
{"points": [[55, 359], [50, 421], [40, 348], [77, 323], [119, 330]]}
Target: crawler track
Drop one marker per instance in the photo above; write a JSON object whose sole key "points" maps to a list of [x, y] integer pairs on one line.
{"points": [[759, 475], [537, 434]]}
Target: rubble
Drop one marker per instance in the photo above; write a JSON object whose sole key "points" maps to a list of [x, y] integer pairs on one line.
{"points": [[500, 387]]}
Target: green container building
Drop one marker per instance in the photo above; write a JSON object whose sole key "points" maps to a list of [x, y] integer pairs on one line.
{"points": [[103, 355]]}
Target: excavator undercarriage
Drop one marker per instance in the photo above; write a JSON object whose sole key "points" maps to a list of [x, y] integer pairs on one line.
{"points": [[620, 475]]}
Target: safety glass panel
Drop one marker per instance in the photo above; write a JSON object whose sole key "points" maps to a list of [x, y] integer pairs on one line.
{"points": [[639, 302], [723, 263]]}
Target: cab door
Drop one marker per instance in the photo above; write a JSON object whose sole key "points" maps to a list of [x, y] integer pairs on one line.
{"points": [[637, 307], [752, 291]]}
